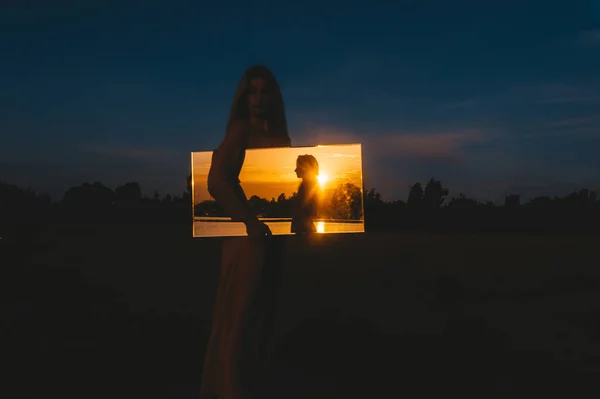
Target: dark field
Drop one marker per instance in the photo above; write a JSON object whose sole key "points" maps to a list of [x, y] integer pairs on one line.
{"points": [[124, 311]]}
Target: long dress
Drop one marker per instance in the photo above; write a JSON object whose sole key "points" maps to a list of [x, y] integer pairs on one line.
{"points": [[240, 343]]}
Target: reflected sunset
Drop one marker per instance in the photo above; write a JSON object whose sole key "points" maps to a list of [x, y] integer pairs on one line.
{"points": [[294, 190], [320, 227], [323, 178], [267, 173]]}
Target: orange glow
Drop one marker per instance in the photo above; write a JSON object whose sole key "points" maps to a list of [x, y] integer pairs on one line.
{"points": [[323, 179], [268, 173], [320, 227]]}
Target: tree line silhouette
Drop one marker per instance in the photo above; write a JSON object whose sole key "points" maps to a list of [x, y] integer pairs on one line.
{"points": [[431, 208], [428, 207]]}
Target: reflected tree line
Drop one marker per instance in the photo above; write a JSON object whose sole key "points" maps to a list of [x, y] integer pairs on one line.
{"points": [[343, 201], [428, 207]]}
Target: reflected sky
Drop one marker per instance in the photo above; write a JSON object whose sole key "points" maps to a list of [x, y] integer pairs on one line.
{"points": [[210, 227], [268, 173]]}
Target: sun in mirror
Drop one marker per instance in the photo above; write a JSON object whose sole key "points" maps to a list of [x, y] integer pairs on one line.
{"points": [[323, 178]]}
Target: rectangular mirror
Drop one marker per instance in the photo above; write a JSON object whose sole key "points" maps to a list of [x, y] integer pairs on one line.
{"points": [[293, 190]]}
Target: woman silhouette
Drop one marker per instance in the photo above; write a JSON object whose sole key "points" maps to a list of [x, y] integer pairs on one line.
{"points": [[244, 310], [305, 212]]}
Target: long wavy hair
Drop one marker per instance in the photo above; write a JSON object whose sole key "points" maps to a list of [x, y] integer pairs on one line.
{"points": [[276, 119]]}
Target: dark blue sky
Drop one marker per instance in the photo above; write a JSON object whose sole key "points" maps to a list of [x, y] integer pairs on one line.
{"points": [[482, 95]]}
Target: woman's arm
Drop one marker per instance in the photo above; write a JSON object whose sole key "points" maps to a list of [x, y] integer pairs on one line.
{"points": [[223, 182]]}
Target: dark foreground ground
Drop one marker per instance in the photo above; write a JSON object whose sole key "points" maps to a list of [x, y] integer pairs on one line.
{"points": [[124, 311]]}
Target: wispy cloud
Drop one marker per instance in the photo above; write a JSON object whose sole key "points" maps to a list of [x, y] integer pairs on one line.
{"points": [[551, 93], [441, 146], [584, 127], [568, 99], [529, 95], [569, 123], [138, 154], [590, 37], [581, 131], [558, 94], [461, 104], [446, 146], [562, 93]]}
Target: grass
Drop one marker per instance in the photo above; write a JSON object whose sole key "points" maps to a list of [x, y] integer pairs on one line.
{"points": [[124, 311]]}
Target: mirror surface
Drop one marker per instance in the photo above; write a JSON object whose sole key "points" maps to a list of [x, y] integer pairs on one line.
{"points": [[293, 190]]}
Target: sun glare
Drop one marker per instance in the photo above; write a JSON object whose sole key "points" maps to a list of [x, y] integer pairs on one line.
{"points": [[321, 227], [323, 179]]}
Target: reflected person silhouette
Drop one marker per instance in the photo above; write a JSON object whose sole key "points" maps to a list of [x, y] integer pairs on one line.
{"points": [[307, 201], [240, 342]]}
